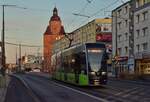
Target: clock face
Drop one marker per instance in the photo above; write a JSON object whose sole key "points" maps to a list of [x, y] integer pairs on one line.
{"points": [[55, 27]]}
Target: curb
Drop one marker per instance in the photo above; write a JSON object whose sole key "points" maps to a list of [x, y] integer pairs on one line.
{"points": [[31, 93]]}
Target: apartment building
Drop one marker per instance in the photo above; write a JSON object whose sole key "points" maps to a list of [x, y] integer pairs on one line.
{"points": [[98, 30], [142, 36], [131, 34], [121, 36]]}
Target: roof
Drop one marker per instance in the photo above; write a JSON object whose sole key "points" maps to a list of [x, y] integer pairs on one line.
{"points": [[55, 18], [121, 6], [48, 31]]}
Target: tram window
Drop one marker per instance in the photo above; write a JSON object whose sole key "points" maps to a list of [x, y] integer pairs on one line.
{"points": [[83, 62], [77, 64]]}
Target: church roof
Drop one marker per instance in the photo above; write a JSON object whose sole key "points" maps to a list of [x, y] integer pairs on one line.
{"points": [[55, 18], [48, 31]]}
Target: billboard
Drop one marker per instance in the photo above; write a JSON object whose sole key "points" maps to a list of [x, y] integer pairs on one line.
{"points": [[103, 28], [104, 37]]}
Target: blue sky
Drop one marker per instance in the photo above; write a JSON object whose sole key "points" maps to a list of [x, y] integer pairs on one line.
{"points": [[28, 25]]}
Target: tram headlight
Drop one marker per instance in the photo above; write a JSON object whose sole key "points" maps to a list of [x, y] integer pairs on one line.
{"points": [[92, 73], [103, 73]]}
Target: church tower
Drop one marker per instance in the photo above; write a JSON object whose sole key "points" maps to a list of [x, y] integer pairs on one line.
{"points": [[53, 31]]}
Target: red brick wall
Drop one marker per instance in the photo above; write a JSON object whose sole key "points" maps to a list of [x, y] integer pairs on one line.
{"points": [[48, 44]]}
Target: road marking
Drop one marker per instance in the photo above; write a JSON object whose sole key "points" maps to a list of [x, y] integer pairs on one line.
{"points": [[126, 91], [89, 95], [133, 92]]}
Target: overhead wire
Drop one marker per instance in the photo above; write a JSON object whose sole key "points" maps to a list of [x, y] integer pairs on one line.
{"points": [[81, 11], [24, 45], [100, 10]]}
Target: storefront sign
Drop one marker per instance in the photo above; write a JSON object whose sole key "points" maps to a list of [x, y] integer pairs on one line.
{"points": [[122, 58], [104, 37]]}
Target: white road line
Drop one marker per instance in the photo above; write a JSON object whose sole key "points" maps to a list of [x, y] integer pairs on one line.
{"points": [[89, 95], [133, 92], [120, 93]]}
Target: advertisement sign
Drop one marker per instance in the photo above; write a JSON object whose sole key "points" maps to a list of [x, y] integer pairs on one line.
{"points": [[103, 28], [104, 37]]}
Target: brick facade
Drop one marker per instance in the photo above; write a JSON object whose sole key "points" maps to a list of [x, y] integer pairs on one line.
{"points": [[53, 31]]}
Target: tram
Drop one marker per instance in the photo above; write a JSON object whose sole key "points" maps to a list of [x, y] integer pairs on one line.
{"points": [[84, 65]]}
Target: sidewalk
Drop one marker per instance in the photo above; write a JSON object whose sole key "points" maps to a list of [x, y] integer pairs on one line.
{"points": [[4, 81]]}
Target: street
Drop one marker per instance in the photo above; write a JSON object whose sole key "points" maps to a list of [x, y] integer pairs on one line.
{"points": [[42, 89]]}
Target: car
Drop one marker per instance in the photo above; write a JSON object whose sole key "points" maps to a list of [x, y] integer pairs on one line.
{"points": [[36, 70]]}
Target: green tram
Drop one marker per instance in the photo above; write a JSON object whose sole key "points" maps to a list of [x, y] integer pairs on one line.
{"points": [[84, 65]]}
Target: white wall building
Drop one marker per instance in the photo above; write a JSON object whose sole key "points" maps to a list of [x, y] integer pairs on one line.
{"points": [[32, 61], [131, 36], [120, 35], [142, 36]]}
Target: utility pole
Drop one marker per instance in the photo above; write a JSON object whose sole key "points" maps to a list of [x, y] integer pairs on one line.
{"points": [[3, 40], [19, 68], [3, 37]]}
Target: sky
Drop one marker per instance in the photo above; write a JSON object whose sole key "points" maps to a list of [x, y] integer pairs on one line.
{"points": [[26, 26]]}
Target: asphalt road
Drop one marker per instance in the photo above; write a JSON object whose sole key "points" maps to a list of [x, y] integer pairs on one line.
{"points": [[17, 92], [42, 89]]}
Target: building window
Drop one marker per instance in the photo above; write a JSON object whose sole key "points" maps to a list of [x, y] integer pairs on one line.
{"points": [[145, 15], [137, 33], [126, 36], [145, 46], [119, 12], [145, 31], [137, 18], [126, 50], [126, 9], [119, 51], [126, 23], [138, 48], [119, 38], [119, 25]]}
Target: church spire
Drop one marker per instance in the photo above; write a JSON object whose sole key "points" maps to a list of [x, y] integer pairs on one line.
{"points": [[55, 12]]}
